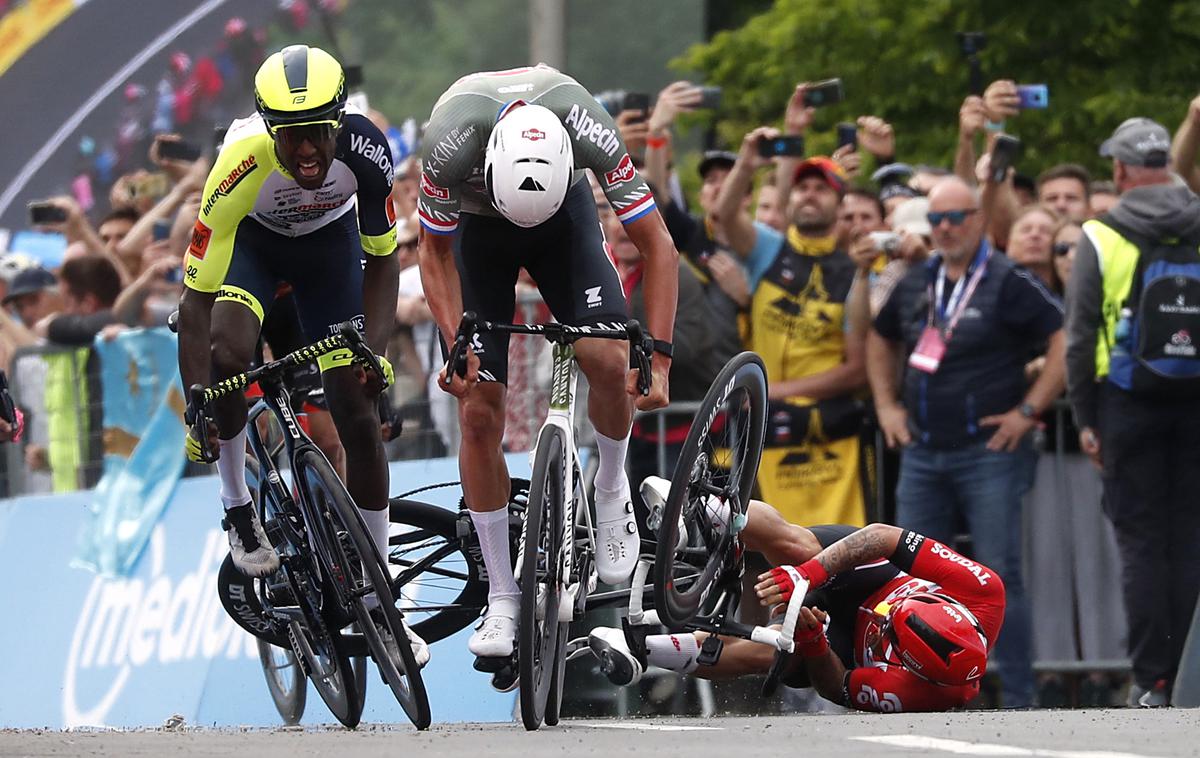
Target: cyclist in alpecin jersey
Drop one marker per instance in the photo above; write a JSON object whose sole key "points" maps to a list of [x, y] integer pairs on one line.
{"points": [[893, 621], [299, 194], [502, 188]]}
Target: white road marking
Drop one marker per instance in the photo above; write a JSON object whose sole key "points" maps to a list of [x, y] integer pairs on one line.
{"points": [[918, 742], [71, 124], [644, 727]]}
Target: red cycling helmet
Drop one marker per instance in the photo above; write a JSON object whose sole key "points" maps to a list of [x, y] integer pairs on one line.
{"points": [[937, 639]]}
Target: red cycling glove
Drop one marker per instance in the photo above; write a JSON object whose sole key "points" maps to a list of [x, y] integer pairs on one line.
{"points": [[811, 643], [811, 570]]}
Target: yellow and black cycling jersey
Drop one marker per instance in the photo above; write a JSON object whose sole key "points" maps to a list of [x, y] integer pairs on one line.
{"points": [[248, 181]]}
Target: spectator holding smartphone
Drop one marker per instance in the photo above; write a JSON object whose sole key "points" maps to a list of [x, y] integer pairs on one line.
{"points": [[800, 281]]}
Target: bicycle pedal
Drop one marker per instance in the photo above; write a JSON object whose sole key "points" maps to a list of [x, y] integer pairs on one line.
{"points": [[710, 651], [494, 664]]}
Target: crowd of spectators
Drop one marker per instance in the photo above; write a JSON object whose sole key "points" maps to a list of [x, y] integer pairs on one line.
{"points": [[917, 306]]}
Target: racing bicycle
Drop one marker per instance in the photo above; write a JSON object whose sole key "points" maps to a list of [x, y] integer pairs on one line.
{"points": [[555, 557], [331, 597]]}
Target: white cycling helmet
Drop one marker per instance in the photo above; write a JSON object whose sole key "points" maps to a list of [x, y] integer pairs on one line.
{"points": [[528, 165]]}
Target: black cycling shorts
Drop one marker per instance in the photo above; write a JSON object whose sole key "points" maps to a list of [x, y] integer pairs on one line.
{"points": [[281, 331], [565, 256], [324, 267], [841, 598]]}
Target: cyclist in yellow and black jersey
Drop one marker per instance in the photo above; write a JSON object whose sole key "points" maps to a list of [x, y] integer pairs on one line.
{"points": [[299, 194]]}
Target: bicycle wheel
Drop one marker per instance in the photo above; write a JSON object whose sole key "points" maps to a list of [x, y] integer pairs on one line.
{"points": [[439, 588], [285, 681], [538, 652], [719, 460], [355, 569], [322, 652]]}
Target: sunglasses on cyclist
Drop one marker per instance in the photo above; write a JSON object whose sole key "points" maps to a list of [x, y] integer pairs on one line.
{"points": [[292, 137], [956, 218], [1063, 248]]}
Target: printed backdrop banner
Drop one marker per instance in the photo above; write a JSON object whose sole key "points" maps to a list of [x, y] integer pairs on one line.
{"points": [[143, 448]]}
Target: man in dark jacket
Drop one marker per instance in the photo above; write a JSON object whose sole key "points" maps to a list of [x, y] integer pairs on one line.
{"points": [[1145, 440]]}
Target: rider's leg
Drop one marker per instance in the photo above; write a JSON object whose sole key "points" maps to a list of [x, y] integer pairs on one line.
{"points": [[325, 436], [357, 424], [781, 542], [486, 491], [234, 334], [610, 409]]}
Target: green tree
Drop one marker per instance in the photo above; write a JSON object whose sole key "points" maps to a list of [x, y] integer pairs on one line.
{"points": [[1103, 62]]}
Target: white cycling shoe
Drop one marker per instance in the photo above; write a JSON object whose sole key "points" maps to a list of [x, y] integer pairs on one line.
{"points": [[654, 492], [420, 648], [617, 540], [617, 661], [497, 633], [248, 544]]}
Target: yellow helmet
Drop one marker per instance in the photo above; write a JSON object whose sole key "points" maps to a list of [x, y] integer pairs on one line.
{"points": [[300, 85]]}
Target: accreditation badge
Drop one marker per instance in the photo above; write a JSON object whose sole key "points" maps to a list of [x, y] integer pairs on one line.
{"points": [[927, 355]]}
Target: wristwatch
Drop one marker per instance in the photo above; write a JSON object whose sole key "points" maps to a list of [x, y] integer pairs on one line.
{"points": [[664, 347], [1027, 410]]}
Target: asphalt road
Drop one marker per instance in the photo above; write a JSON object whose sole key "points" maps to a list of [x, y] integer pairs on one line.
{"points": [[52, 83], [1046, 734]]}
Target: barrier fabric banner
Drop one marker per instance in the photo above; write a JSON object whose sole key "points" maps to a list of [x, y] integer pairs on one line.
{"points": [[143, 448]]}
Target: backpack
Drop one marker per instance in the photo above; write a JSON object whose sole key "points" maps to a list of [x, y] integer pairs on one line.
{"points": [[1157, 341]]}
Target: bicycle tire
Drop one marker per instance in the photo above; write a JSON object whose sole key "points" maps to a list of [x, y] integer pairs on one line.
{"points": [[289, 692], [739, 396], [327, 493], [537, 642], [340, 693], [450, 586]]}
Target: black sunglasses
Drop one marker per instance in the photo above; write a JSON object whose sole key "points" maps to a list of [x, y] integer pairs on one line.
{"points": [[956, 218], [1063, 248], [292, 137]]}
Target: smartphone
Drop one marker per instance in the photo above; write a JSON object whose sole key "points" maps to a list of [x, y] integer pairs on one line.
{"points": [[827, 92], [162, 229], [44, 212], [150, 185], [710, 98], [847, 134], [637, 101], [888, 242], [1004, 154], [1034, 95], [788, 145], [178, 150]]}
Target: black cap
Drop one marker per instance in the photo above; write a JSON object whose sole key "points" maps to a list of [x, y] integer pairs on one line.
{"points": [[28, 282], [716, 159]]}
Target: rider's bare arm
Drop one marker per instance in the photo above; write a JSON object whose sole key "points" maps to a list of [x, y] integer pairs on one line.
{"points": [[827, 674], [381, 286], [195, 316], [439, 278], [649, 234], [871, 543]]}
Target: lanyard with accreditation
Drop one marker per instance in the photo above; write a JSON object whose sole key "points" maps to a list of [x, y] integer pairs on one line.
{"points": [[931, 347]]}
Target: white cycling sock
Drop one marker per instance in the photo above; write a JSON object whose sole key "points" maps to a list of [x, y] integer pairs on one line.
{"points": [[674, 652], [610, 474], [377, 527], [231, 467], [492, 528]]}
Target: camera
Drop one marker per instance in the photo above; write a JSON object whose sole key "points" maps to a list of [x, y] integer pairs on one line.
{"points": [[788, 145], [888, 242], [46, 212], [970, 43], [823, 93]]}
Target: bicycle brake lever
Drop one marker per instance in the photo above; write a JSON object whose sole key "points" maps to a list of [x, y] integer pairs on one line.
{"points": [[457, 360], [641, 344]]}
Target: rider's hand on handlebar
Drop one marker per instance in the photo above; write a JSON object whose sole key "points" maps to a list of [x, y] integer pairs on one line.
{"points": [[194, 449], [777, 585], [460, 385], [660, 367], [810, 632], [373, 383]]}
